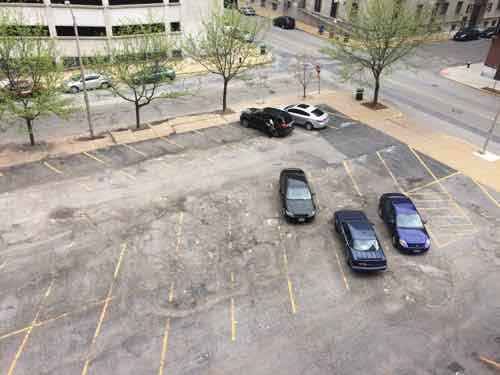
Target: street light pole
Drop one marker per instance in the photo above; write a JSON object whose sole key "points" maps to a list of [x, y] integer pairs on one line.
{"points": [[490, 132], [82, 69]]}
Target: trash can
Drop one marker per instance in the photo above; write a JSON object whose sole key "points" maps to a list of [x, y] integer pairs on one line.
{"points": [[359, 94], [321, 29], [262, 50]]}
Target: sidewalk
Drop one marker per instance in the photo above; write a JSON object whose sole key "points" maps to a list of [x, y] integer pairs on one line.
{"points": [[471, 77], [452, 151]]}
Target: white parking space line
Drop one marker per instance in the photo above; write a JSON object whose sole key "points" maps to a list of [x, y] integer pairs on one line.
{"points": [[348, 170]]}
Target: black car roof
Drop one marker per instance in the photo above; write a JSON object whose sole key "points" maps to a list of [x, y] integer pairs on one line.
{"points": [[278, 113], [352, 215], [361, 230]]}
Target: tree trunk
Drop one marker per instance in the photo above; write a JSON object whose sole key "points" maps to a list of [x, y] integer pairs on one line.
{"points": [[224, 96], [377, 88], [30, 131], [137, 116]]}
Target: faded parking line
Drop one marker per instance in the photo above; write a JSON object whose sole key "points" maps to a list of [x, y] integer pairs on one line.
{"points": [[390, 172], [291, 296], [103, 162], [134, 149], [436, 181], [487, 193], [348, 170], [52, 168], [104, 309]]}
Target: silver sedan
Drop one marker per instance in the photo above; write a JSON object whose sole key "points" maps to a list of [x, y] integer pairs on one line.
{"points": [[308, 116]]}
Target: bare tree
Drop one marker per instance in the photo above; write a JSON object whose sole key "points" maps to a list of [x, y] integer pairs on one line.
{"points": [[225, 46], [303, 70], [382, 33], [31, 88], [140, 66]]}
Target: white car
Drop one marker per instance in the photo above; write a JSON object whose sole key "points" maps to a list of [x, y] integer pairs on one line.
{"points": [[308, 116], [92, 81]]}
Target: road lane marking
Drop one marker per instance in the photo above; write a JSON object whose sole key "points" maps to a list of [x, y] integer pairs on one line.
{"points": [[133, 149], [104, 309], [459, 208], [52, 168], [346, 284], [390, 173], [291, 296], [348, 170], [178, 234], [487, 193], [432, 183], [128, 175], [20, 350]]}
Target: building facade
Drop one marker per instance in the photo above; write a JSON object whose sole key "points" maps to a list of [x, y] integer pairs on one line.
{"points": [[450, 14], [101, 22]]}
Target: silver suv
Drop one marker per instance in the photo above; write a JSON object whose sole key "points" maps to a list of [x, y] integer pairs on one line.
{"points": [[92, 81], [308, 116]]}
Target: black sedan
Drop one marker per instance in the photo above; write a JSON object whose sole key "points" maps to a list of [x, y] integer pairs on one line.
{"points": [[285, 22], [297, 199], [272, 121], [362, 247], [488, 32], [467, 34]]}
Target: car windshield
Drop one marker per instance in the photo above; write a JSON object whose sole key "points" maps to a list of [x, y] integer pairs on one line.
{"points": [[297, 190], [365, 245], [75, 78], [411, 221], [318, 112]]}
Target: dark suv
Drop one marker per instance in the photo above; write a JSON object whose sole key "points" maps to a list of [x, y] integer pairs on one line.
{"points": [[467, 34], [272, 121]]}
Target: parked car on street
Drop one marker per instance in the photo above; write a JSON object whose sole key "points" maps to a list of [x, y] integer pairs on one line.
{"points": [[247, 11], [154, 75], [362, 247], [308, 116], [488, 32], [285, 22], [92, 81], [297, 199], [467, 34], [272, 121], [405, 225]]}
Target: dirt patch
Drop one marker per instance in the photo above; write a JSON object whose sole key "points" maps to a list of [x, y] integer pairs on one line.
{"points": [[375, 107], [63, 213], [492, 90]]}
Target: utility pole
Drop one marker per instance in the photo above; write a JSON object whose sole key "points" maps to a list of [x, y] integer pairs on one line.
{"points": [[82, 69], [490, 132]]}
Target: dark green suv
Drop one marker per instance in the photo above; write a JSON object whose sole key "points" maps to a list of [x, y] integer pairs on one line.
{"points": [[155, 75]]}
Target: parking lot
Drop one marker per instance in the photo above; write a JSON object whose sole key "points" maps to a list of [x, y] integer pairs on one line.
{"points": [[170, 256]]}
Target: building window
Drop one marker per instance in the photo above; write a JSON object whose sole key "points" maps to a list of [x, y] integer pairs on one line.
{"points": [[79, 2], [23, 1], [37, 30], [354, 9], [498, 5], [134, 2], [485, 24], [468, 8], [453, 27], [493, 23], [333, 9], [317, 6], [174, 1], [459, 7], [489, 6], [138, 29], [444, 9], [175, 27], [177, 53], [88, 31]]}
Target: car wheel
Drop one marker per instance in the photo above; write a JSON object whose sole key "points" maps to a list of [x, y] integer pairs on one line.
{"points": [[244, 123], [74, 90], [309, 126], [104, 85]]}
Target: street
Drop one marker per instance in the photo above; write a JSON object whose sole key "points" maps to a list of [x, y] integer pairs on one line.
{"points": [[419, 91]]}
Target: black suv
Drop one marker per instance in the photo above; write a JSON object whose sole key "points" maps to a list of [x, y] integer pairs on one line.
{"points": [[297, 199], [272, 121], [284, 22], [467, 34]]}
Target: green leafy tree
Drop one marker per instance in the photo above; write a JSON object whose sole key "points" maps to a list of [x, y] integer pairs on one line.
{"points": [[382, 33], [225, 45], [31, 76], [140, 66]]}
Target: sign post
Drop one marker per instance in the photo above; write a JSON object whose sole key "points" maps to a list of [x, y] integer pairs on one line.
{"points": [[318, 72]]}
